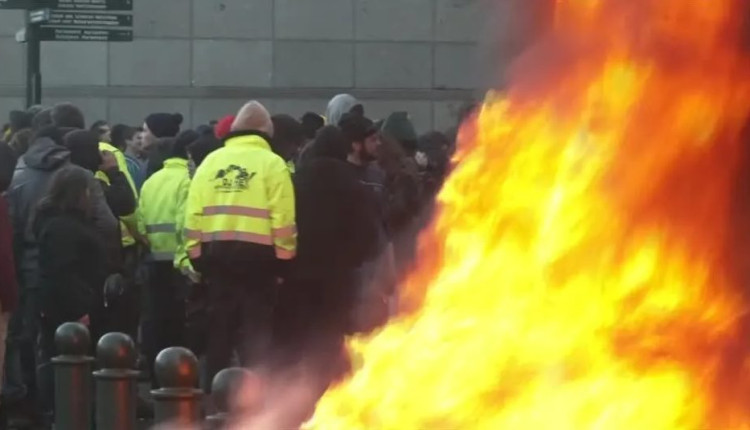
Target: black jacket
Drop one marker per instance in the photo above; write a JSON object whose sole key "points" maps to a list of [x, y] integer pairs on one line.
{"points": [[72, 265], [119, 195], [30, 181]]}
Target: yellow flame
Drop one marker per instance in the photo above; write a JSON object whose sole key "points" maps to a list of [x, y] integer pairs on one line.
{"points": [[576, 275]]}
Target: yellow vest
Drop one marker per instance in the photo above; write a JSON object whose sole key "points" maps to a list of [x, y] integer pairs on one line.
{"points": [[161, 210], [242, 192], [127, 223]]}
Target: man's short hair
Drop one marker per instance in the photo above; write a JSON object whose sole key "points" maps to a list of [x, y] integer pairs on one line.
{"points": [[67, 115]]}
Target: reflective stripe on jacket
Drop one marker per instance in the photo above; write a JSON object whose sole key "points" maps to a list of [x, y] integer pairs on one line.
{"points": [[127, 223], [159, 211], [243, 193]]}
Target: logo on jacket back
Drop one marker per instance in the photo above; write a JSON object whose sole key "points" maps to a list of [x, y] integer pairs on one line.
{"points": [[232, 179]]}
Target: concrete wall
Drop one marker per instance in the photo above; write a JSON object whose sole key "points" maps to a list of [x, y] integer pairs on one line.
{"points": [[204, 58]]}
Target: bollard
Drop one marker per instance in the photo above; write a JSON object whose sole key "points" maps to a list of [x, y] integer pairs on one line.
{"points": [[177, 401], [72, 377], [224, 387], [116, 383]]}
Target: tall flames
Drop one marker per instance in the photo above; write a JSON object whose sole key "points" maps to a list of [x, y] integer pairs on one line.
{"points": [[580, 273]]}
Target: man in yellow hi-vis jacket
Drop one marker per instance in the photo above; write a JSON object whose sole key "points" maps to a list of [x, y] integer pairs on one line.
{"points": [[241, 232], [160, 213]]}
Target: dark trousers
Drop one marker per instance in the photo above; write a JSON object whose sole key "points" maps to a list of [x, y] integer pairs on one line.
{"points": [[240, 310], [20, 356], [164, 322]]}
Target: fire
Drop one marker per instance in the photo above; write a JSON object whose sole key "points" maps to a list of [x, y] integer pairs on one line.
{"points": [[578, 274]]}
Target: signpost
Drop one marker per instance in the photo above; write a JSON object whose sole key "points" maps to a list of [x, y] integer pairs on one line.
{"points": [[68, 20]]}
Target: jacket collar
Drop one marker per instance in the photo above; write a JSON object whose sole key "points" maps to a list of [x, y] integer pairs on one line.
{"points": [[253, 137], [176, 162]]}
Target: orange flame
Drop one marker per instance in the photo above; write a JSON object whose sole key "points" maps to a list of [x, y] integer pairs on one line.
{"points": [[578, 274]]}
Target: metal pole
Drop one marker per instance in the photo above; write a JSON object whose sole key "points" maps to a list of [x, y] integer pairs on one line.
{"points": [[33, 63], [178, 401], [72, 377], [116, 383]]}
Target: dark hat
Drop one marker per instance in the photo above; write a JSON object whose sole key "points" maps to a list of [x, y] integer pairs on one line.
{"points": [[399, 126], [181, 143], [311, 123], [84, 149], [287, 129], [19, 120], [356, 127], [201, 148], [330, 142], [164, 124]]}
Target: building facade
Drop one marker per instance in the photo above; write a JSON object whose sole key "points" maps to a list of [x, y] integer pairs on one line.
{"points": [[204, 58]]}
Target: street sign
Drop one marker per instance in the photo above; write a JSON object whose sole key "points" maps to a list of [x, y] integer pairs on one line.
{"points": [[48, 33], [99, 5], [59, 17], [15, 4], [73, 5]]}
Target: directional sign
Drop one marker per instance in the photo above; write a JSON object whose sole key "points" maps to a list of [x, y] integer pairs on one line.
{"points": [[58, 17], [84, 35], [89, 4], [79, 5], [15, 4]]}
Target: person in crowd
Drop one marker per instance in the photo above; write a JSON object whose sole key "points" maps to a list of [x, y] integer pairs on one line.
{"points": [[19, 143], [364, 141], [42, 118], [241, 234], [103, 130], [436, 148], [18, 120], [338, 229], [125, 139], [288, 138], [68, 115], [160, 217], [202, 148], [84, 152], [341, 105], [46, 156], [224, 127], [398, 127], [404, 201], [378, 276], [311, 123], [72, 264], [158, 126], [8, 283], [8, 161]]}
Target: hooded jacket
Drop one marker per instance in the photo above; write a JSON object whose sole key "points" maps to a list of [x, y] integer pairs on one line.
{"points": [[339, 106], [30, 181]]}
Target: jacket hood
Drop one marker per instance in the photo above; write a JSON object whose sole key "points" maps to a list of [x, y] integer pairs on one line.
{"points": [[45, 154], [338, 106]]}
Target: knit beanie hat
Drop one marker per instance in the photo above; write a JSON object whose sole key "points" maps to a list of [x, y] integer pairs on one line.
{"points": [[84, 149], [223, 127], [164, 124], [356, 127], [399, 127]]}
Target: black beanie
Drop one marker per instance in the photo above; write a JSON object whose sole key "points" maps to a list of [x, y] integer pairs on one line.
{"points": [[184, 139], [84, 149], [356, 127], [164, 124]]}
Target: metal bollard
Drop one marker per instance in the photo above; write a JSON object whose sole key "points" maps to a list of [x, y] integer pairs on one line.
{"points": [[116, 383], [177, 401], [225, 385], [72, 377]]}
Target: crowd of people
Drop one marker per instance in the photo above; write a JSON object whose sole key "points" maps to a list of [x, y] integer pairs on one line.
{"points": [[260, 240]]}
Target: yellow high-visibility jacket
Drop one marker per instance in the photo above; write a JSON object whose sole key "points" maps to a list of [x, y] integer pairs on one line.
{"points": [[242, 193], [127, 223], [160, 210]]}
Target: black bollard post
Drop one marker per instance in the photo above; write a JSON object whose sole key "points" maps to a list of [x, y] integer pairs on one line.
{"points": [[224, 387], [116, 383], [177, 401], [72, 377]]}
